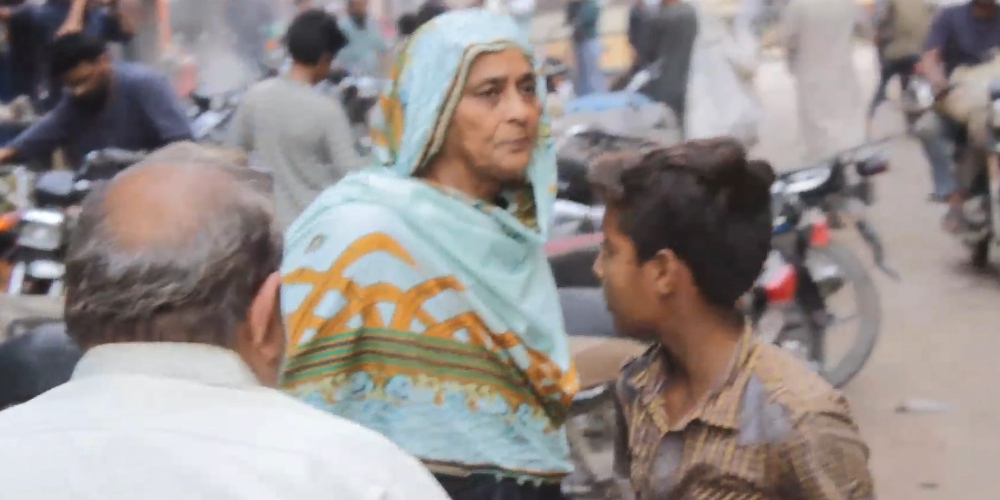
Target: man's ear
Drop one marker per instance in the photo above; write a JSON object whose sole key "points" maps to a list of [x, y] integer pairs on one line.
{"points": [[665, 266], [263, 310]]}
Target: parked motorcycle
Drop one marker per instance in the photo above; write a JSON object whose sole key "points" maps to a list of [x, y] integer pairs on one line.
{"points": [[42, 231], [210, 115], [806, 204]]}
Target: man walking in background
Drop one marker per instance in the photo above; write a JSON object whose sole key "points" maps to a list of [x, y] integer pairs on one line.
{"points": [[583, 16], [366, 50], [670, 35], [819, 39], [901, 27], [303, 136]]}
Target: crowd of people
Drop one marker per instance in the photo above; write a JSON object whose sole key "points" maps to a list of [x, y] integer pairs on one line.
{"points": [[404, 301]]}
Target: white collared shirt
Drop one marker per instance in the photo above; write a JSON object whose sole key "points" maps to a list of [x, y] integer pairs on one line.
{"points": [[187, 421]]}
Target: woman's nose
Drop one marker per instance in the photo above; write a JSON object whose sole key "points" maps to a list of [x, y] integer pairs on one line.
{"points": [[598, 269], [520, 108]]}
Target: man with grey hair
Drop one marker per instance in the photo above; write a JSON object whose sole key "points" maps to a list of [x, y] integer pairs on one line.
{"points": [[172, 292]]}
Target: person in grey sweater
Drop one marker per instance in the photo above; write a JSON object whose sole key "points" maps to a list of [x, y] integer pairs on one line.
{"points": [[301, 135]]}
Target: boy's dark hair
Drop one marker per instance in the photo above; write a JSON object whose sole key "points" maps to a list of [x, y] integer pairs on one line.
{"points": [[407, 24], [313, 33], [71, 50], [704, 201]]}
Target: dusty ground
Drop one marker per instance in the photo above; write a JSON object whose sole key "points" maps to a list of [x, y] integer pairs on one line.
{"points": [[941, 326]]}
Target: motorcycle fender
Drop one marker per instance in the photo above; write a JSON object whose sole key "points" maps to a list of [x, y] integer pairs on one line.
{"points": [[807, 291], [600, 359]]}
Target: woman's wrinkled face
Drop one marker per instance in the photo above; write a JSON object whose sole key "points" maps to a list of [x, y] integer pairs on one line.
{"points": [[494, 127]]}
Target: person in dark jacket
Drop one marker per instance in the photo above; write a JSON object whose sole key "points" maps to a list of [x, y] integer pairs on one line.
{"points": [[35, 362], [45, 22], [637, 15]]}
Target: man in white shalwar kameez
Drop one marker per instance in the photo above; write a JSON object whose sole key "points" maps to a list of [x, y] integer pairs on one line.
{"points": [[818, 36]]}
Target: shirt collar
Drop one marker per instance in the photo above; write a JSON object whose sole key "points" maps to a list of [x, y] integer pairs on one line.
{"points": [[202, 363], [722, 406]]}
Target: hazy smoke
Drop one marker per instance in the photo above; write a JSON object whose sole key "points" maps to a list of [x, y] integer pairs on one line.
{"points": [[226, 37]]}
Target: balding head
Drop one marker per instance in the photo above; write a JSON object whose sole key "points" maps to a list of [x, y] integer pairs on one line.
{"points": [[171, 249]]}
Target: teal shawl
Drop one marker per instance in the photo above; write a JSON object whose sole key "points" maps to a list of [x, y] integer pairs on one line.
{"points": [[420, 313]]}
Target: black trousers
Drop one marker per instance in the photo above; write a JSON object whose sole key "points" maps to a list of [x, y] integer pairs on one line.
{"points": [[902, 67], [486, 487]]}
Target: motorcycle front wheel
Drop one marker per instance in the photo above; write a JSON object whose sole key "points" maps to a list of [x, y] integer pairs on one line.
{"points": [[867, 314]]}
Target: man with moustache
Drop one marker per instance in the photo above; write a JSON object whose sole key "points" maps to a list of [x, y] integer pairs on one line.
{"points": [[105, 104]]}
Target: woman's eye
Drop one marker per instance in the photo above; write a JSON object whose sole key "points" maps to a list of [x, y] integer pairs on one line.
{"points": [[529, 88], [490, 92]]}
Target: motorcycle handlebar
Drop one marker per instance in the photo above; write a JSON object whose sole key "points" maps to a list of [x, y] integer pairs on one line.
{"points": [[109, 157]]}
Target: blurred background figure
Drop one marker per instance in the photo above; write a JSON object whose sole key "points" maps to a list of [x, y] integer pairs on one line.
{"points": [[38, 24], [35, 362], [670, 33], [900, 29], [429, 10], [638, 15], [522, 11], [584, 16], [406, 25], [366, 49], [293, 130], [819, 40], [250, 22]]}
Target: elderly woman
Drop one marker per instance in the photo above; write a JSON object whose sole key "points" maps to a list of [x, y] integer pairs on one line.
{"points": [[417, 298]]}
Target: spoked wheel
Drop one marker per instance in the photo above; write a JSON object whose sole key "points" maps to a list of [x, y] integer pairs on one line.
{"points": [[839, 344], [860, 294]]}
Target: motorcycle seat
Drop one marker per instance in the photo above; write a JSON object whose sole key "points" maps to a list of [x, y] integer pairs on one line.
{"points": [[604, 101]]}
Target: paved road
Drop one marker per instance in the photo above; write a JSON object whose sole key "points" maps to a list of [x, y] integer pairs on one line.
{"points": [[941, 327]]}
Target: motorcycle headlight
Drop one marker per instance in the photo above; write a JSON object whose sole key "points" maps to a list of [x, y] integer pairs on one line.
{"points": [[46, 270], [41, 230]]}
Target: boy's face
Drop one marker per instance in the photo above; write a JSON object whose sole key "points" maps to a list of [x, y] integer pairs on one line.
{"points": [[630, 287]]}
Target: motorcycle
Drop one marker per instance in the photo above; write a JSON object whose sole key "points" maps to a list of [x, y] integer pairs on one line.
{"points": [[211, 115], [982, 209], [42, 231], [807, 203]]}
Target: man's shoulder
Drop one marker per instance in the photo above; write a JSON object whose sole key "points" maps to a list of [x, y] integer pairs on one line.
{"points": [[787, 381], [278, 88], [953, 13], [138, 75]]}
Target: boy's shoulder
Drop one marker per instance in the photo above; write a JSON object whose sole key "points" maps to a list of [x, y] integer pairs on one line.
{"points": [[776, 377]]}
